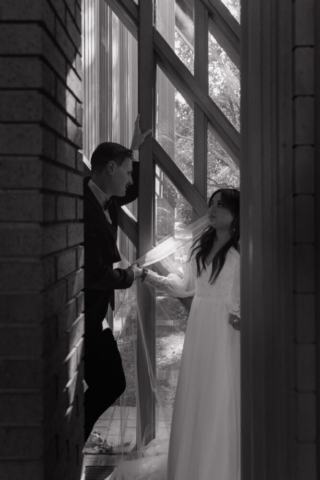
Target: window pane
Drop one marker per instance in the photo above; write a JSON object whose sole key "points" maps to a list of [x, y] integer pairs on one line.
{"points": [[222, 171], [224, 82], [124, 83], [90, 46], [234, 7], [175, 22], [110, 78], [174, 125], [122, 430], [171, 324], [173, 213]]}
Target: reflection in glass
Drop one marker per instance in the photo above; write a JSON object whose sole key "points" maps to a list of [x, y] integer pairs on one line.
{"points": [[224, 82], [222, 171], [174, 125], [175, 22], [234, 7]]}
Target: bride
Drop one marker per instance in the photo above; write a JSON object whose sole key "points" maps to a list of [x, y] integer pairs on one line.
{"points": [[205, 431]]}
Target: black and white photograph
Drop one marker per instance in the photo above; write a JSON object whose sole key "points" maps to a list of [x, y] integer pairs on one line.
{"points": [[159, 240]]}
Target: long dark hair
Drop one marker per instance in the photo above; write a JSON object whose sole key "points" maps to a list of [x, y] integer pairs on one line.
{"points": [[202, 247]]}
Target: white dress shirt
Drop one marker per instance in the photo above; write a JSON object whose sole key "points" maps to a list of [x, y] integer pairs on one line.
{"points": [[101, 197]]}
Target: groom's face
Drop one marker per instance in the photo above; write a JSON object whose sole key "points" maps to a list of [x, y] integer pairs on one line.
{"points": [[121, 177]]}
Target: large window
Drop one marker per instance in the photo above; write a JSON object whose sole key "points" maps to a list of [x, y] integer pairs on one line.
{"points": [[110, 65], [192, 76]]}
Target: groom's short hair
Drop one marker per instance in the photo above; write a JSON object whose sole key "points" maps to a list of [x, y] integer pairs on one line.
{"points": [[107, 151]]}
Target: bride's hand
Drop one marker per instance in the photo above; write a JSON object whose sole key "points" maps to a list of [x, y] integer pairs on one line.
{"points": [[144, 274], [138, 272], [153, 279], [234, 321]]}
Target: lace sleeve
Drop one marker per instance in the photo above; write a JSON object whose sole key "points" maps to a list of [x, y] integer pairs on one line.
{"points": [[235, 308], [173, 284], [155, 280]]}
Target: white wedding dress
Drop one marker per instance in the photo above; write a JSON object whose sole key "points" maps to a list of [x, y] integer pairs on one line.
{"points": [[205, 430]]}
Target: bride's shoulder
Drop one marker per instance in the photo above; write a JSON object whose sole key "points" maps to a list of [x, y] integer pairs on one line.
{"points": [[233, 258], [234, 253]]}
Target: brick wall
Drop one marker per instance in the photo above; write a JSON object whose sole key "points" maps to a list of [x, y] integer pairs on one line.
{"points": [[41, 303], [306, 387]]}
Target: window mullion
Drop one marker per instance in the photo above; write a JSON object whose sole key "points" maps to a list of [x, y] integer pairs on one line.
{"points": [[146, 298], [200, 120]]}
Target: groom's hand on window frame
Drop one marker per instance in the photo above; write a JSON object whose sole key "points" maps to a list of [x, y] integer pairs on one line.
{"points": [[138, 137]]}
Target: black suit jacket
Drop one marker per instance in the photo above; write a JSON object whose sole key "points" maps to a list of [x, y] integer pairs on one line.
{"points": [[101, 253]]}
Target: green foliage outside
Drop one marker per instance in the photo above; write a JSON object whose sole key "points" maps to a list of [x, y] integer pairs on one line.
{"points": [[224, 89]]}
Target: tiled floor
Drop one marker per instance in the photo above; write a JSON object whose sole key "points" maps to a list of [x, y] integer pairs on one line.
{"points": [[118, 427]]}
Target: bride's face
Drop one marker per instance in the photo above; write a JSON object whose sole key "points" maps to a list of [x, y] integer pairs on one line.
{"points": [[220, 217]]}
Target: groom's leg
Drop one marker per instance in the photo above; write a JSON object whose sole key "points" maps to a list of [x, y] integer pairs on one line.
{"points": [[104, 376]]}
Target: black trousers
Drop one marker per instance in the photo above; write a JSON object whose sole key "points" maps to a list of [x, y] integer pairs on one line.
{"points": [[103, 373]]}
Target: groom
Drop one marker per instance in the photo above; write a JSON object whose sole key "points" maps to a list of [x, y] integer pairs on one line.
{"points": [[114, 182]]}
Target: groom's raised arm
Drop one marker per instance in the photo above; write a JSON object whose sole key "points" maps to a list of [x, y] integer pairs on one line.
{"points": [[136, 142]]}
